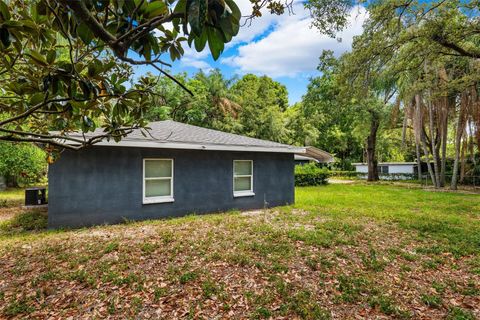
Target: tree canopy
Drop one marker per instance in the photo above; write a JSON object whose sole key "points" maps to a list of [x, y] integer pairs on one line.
{"points": [[65, 65], [422, 57]]}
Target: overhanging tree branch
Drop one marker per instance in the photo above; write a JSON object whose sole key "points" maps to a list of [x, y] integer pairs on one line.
{"points": [[450, 45]]}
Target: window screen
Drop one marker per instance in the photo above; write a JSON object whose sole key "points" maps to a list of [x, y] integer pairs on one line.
{"points": [[242, 176], [158, 180]]}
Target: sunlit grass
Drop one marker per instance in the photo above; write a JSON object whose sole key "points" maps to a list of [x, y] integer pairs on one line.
{"points": [[11, 197], [452, 218], [340, 244]]}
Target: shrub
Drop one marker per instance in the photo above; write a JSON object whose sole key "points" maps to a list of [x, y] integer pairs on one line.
{"points": [[311, 175], [346, 174], [27, 221], [382, 176], [21, 163]]}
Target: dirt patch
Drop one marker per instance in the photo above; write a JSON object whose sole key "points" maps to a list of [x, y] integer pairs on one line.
{"points": [[9, 212]]}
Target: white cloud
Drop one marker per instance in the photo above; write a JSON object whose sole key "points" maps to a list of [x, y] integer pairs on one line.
{"points": [[252, 28], [196, 63], [293, 47], [248, 31], [192, 58]]}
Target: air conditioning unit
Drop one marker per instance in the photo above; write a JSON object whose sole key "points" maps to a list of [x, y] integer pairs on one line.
{"points": [[35, 196]]}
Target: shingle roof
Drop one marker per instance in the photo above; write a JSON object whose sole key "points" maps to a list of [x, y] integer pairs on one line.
{"points": [[173, 131], [172, 134], [384, 163]]}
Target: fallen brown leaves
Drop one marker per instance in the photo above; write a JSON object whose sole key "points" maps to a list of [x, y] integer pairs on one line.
{"points": [[264, 264]]}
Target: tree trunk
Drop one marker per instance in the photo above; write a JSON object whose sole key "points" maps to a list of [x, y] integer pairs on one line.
{"points": [[422, 138], [371, 148], [419, 160], [434, 144], [444, 138], [458, 140], [413, 116], [445, 103], [462, 159], [453, 184]]}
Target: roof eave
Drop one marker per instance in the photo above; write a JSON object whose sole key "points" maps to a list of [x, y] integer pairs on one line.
{"points": [[197, 146], [318, 154]]}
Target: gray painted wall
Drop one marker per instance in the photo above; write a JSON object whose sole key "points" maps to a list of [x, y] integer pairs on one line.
{"points": [[104, 184]]}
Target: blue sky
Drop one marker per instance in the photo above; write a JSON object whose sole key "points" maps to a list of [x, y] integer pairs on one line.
{"points": [[283, 47]]}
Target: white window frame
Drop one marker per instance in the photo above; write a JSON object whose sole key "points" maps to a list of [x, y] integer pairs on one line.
{"points": [[159, 199], [243, 193]]}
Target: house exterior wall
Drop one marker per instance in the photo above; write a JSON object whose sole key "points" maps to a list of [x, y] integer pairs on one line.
{"points": [[105, 184], [361, 168], [392, 168], [400, 168]]}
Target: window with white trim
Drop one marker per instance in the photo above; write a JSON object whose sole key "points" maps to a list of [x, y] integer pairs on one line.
{"points": [[243, 178], [157, 180]]}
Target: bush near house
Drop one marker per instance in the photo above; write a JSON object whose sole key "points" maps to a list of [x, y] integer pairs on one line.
{"points": [[346, 174], [32, 220], [21, 164], [311, 175], [382, 176]]}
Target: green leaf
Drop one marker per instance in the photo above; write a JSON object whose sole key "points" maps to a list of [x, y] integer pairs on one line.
{"points": [[181, 6], [92, 70], [51, 55], [13, 24], [201, 41], [234, 8], [37, 98], [38, 58], [85, 89], [147, 52], [5, 37], [155, 9], [41, 8], [227, 28], [215, 42], [197, 14], [235, 27], [4, 13], [173, 53], [84, 32]]}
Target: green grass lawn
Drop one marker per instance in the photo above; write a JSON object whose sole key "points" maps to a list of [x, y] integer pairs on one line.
{"points": [[341, 252], [11, 197]]}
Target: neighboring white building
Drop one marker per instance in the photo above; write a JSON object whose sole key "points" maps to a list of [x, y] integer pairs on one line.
{"points": [[388, 167]]}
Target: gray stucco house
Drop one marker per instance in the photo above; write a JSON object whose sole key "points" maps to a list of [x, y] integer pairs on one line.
{"points": [[176, 169]]}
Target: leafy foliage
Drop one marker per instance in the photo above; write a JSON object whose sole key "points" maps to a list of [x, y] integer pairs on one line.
{"points": [[21, 164], [253, 106], [26, 221], [310, 175], [64, 65]]}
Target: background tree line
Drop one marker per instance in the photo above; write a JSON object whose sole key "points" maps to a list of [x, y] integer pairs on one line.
{"points": [[417, 63], [257, 106], [408, 90]]}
